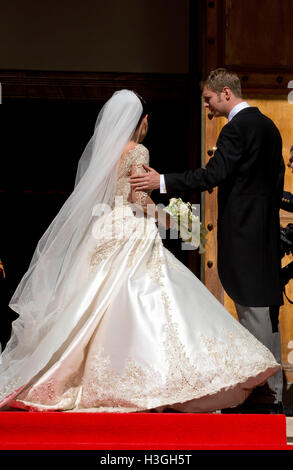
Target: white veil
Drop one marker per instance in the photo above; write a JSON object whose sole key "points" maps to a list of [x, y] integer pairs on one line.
{"points": [[54, 267]]}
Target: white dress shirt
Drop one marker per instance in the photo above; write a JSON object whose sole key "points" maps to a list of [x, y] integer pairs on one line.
{"points": [[232, 113], [237, 108]]}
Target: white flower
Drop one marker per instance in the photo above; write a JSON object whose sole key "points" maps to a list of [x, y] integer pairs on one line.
{"points": [[188, 224]]}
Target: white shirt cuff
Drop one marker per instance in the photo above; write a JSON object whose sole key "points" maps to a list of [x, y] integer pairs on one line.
{"points": [[162, 184]]}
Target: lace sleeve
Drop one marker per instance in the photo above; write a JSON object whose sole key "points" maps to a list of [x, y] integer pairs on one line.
{"points": [[140, 156]]}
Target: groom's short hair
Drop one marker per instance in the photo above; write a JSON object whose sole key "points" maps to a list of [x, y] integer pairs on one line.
{"points": [[291, 149], [220, 78]]}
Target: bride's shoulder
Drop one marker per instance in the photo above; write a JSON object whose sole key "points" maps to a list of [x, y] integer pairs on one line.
{"points": [[140, 155], [136, 148], [135, 151], [142, 148]]}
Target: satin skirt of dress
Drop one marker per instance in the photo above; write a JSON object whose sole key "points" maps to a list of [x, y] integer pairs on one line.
{"points": [[151, 337]]}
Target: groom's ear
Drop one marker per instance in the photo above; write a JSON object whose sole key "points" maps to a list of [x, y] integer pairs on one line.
{"points": [[227, 92]]}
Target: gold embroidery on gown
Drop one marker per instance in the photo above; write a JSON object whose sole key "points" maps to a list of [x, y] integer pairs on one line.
{"points": [[162, 339]]}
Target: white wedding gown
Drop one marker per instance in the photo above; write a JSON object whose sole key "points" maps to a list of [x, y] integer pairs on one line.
{"points": [[150, 334]]}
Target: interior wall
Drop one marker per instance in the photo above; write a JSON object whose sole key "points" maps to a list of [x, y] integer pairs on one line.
{"points": [[95, 35]]}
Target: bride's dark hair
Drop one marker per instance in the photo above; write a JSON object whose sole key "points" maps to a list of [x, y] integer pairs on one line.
{"points": [[145, 109]]}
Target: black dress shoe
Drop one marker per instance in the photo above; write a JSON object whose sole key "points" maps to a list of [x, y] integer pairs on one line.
{"points": [[272, 409], [256, 408], [170, 410]]}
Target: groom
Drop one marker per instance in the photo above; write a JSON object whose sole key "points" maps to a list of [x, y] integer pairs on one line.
{"points": [[248, 169]]}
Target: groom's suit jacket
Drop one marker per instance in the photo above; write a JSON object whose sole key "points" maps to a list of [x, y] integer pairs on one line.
{"points": [[248, 169]]}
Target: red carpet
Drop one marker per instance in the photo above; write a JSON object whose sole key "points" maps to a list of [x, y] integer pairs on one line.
{"points": [[147, 431]]}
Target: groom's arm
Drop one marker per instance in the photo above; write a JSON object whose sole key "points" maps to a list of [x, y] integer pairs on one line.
{"points": [[218, 169]]}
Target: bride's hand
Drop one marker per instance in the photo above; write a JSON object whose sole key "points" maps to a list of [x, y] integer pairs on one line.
{"points": [[145, 181]]}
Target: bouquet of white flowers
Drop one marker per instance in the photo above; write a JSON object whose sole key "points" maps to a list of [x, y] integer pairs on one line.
{"points": [[188, 225]]}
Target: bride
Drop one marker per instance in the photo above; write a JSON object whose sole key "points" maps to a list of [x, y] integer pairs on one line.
{"points": [[109, 320]]}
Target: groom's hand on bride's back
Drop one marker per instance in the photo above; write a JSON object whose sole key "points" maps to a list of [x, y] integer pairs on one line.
{"points": [[145, 181]]}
